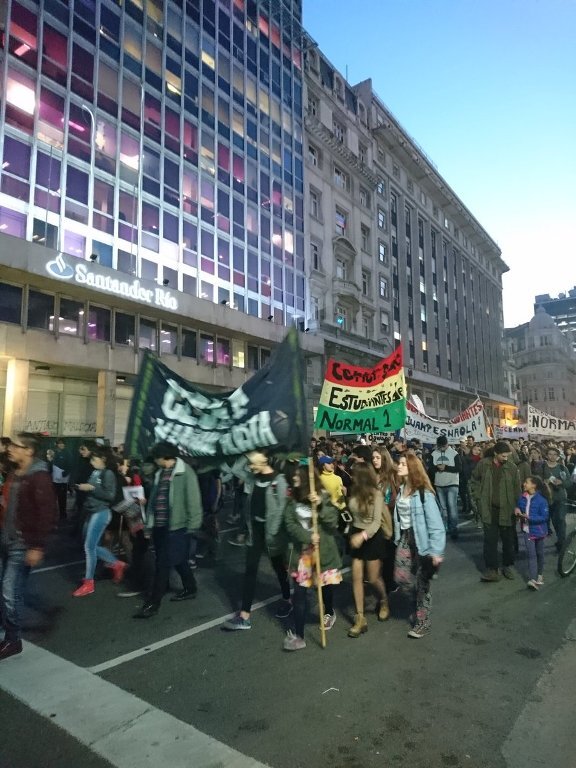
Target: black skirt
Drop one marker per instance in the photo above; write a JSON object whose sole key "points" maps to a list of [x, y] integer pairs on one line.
{"points": [[373, 549]]}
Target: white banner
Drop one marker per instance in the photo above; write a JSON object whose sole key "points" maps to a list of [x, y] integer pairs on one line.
{"points": [[544, 425], [472, 422], [519, 432]]}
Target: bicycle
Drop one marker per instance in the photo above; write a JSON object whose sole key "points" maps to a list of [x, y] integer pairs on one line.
{"points": [[567, 556]]}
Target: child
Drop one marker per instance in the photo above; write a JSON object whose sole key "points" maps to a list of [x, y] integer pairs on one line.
{"points": [[533, 513], [298, 521]]}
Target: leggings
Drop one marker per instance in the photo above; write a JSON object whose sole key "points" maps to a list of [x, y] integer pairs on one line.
{"points": [[301, 605]]}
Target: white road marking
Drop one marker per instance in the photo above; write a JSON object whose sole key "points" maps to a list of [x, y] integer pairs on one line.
{"points": [[118, 726], [56, 567]]}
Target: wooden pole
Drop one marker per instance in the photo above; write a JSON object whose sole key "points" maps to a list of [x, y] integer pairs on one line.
{"points": [[312, 485]]}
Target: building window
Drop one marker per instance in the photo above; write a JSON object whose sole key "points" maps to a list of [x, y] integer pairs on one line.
{"points": [[206, 348], [341, 179], [10, 304], [410, 186], [168, 340], [366, 330], [384, 321], [339, 131], [381, 218], [313, 155], [124, 329], [396, 171], [71, 317], [188, 343], [314, 308], [40, 310], [313, 105], [382, 252], [341, 316], [381, 188], [383, 287], [98, 324], [148, 334], [364, 198], [365, 233], [362, 154], [315, 204], [315, 256], [341, 221], [365, 283], [341, 269]]}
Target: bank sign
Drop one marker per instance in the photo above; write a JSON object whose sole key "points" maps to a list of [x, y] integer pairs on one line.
{"points": [[129, 289]]}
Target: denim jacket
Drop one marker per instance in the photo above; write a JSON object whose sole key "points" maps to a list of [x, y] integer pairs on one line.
{"points": [[427, 524]]}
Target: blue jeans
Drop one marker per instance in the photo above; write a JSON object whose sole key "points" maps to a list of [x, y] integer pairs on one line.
{"points": [[535, 552], [13, 575], [448, 501], [93, 531]]}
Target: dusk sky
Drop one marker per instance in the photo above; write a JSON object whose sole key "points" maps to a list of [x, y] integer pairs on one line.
{"points": [[488, 90]]}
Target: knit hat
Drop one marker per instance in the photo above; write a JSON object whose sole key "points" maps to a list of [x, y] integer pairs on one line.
{"points": [[325, 460], [502, 447]]}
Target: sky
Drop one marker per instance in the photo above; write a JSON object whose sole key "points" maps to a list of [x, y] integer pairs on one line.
{"points": [[487, 88]]}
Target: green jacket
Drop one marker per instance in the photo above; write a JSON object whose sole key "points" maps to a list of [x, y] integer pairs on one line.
{"points": [[300, 537], [184, 499], [510, 490]]}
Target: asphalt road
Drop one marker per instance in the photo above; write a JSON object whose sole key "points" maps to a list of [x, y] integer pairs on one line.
{"points": [[490, 687]]}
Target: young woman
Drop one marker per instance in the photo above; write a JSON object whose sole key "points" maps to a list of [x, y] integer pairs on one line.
{"points": [[532, 511], [367, 543], [298, 522], [420, 538], [100, 494], [386, 471]]}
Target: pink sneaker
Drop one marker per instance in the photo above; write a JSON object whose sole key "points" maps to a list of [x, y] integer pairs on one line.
{"points": [[86, 588], [119, 569]]}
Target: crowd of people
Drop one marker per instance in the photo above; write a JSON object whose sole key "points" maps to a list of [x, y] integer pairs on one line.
{"points": [[384, 506]]}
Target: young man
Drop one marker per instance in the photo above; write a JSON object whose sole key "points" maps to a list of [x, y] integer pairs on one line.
{"points": [[446, 469], [495, 487], [173, 512], [265, 518], [61, 466], [559, 481], [27, 516]]}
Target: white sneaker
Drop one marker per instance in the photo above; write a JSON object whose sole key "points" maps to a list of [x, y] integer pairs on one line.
{"points": [[533, 585], [329, 620], [540, 580], [292, 642]]}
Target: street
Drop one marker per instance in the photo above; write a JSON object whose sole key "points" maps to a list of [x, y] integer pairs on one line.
{"points": [[490, 687]]}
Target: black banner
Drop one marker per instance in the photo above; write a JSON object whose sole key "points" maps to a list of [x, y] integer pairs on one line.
{"points": [[269, 410]]}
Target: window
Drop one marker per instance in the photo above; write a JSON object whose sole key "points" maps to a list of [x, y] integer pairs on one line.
{"points": [[10, 304], [410, 186], [238, 356], [341, 316], [396, 171], [339, 131], [365, 283], [40, 310], [315, 206], [98, 324], [71, 318], [365, 233], [362, 154], [341, 179], [381, 218], [341, 269], [381, 187], [313, 155], [188, 343], [124, 329], [148, 334], [314, 308], [384, 321], [168, 340], [313, 105], [341, 221], [382, 252], [383, 287], [315, 256], [364, 198]]}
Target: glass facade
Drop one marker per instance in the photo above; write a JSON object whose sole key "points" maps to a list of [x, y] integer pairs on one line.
{"points": [[165, 138]]}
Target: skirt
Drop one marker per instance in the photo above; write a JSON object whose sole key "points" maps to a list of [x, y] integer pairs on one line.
{"points": [[373, 549], [305, 575]]}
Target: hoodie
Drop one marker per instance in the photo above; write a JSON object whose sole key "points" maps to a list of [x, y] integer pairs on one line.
{"points": [[29, 506]]}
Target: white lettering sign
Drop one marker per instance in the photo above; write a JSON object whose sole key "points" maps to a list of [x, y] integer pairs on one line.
{"points": [[519, 432], [469, 422], [83, 275], [545, 425]]}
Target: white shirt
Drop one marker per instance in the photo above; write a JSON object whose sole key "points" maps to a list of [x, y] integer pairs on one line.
{"points": [[404, 512]]}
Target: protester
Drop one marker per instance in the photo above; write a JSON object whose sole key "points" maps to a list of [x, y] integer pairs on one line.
{"points": [[558, 479], [331, 482], [495, 486], [100, 490], [27, 516], [266, 533], [173, 514], [386, 472], [420, 539], [61, 467], [298, 520], [533, 512], [367, 543], [446, 472], [82, 472]]}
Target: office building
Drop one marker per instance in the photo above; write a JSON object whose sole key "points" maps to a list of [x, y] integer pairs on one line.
{"points": [[561, 309], [151, 197]]}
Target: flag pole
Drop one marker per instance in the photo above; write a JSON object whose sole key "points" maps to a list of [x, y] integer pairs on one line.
{"points": [[312, 485]]}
